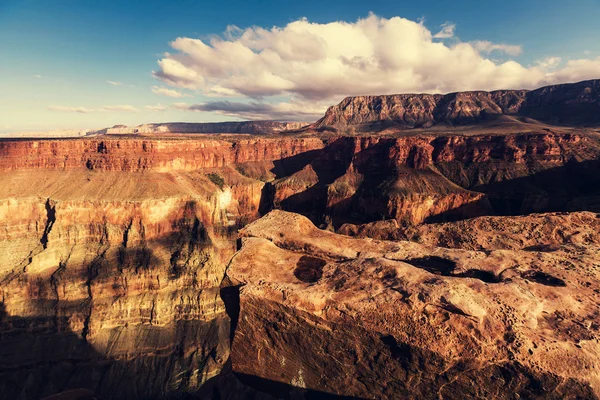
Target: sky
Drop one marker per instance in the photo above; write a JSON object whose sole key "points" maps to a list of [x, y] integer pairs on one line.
{"points": [[83, 64]]}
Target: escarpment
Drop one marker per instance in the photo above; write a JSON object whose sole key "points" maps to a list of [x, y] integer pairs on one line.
{"points": [[426, 178], [575, 104]]}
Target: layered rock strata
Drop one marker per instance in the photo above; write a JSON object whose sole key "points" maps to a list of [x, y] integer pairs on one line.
{"points": [[112, 253], [568, 104], [427, 178]]}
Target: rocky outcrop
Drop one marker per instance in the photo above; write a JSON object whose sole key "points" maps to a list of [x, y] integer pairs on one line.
{"points": [[323, 313], [533, 232], [576, 104]]}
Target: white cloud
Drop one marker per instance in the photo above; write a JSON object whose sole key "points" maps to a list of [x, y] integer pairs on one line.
{"points": [[168, 92], [549, 62], [114, 83], [485, 46], [305, 61], [587, 52], [447, 31], [37, 76], [158, 107], [81, 110], [578, 70], [123, 108]]}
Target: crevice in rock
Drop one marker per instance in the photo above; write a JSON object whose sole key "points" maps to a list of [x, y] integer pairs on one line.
{"points": [[50, 220], [231, 298]]}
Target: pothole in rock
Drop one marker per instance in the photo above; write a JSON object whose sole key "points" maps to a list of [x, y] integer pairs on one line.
{"points": [[309, 269], [544, 278], [445, 267]]}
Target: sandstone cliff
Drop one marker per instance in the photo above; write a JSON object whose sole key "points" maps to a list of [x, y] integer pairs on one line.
{"points": [[414, 179], [575, 104], [112, 255]]}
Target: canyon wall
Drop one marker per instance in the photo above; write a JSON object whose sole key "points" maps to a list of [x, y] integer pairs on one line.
{"points": [[427, 178], [112, 253]]}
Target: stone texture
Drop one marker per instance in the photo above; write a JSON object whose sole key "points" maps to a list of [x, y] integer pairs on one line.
{"points": [[390, 319]]}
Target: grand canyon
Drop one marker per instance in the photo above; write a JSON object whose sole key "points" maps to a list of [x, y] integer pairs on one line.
{"points": [[402, 246]]}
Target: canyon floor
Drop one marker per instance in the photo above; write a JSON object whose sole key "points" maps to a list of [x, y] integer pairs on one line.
{"points": [[413, 261]]}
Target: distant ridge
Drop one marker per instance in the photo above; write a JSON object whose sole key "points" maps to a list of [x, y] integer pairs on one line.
{"points": [[248, 127], [571, 104]]}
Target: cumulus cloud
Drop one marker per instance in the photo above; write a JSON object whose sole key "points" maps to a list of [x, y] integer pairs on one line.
{"points": [[577, 70], [158, 107], [447, 31], [288, 111], [485, 46], [168, 92], [549, 62], [80, 110], [83, 110], [305, 61], [114, 83]]}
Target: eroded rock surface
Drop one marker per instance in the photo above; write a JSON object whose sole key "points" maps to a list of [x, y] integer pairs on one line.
{"points": [[396, 319]]}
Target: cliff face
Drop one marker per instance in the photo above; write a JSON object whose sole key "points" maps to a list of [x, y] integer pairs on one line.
{"points": [[427, 178], [112, 254], [569, 104], [146, 154]]}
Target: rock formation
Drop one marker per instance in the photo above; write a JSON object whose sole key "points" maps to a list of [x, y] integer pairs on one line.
{"points": [[472, 273], [567, 104], [113, 252], [396, 319]]}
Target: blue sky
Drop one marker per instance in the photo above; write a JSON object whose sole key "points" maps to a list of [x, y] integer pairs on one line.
{"points": [[57, 56]]}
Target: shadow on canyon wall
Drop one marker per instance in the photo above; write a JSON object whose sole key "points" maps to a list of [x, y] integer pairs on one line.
{"points": [[46, 361], [575, 186]]}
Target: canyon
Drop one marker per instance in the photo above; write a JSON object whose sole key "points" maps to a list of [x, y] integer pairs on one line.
{"points": [[400, 247]]}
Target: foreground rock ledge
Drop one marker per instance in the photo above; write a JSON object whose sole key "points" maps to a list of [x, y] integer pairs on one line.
{"points": [[382, 319]]}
